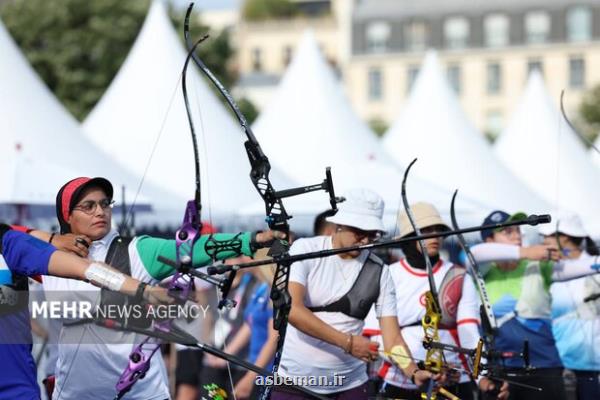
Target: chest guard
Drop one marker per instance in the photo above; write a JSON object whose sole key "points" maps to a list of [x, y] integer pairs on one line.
{"points": [[118, 258], [450, 293], [14, 297], [357, 302]]}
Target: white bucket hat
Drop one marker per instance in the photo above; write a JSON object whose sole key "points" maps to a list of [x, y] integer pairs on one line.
{"points": [[569, 224], [363, 209]]}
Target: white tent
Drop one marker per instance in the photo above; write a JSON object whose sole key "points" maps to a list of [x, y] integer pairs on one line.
{"points": [[141, 120], [452, 153], [594, 154], [309, 124], [540, 147], [43, 144]]}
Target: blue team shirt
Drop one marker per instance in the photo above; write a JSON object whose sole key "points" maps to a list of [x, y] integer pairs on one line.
{"points": [[24, 255], [257, 314]]}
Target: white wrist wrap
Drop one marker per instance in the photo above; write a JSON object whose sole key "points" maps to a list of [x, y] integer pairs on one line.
{"points": [[104, 277]]}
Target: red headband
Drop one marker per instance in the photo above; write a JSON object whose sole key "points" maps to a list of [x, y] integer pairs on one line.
{"points": [[67, 194]]}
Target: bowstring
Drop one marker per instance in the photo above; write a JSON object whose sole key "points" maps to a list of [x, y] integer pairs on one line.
{"points": [[220, 313]]}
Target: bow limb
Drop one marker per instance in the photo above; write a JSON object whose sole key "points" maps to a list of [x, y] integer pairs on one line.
{"points": [[181, 283], [434, 359], [488, 319], [277, 215], [568, 121]]}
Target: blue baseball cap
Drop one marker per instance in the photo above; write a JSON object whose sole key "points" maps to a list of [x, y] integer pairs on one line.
{"points": [[499, 217]]}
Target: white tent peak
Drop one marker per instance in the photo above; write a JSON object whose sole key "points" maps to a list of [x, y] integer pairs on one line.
{"points": [[433, 127], [144, 103], [43, 144], [540, 147], [310, 104]]}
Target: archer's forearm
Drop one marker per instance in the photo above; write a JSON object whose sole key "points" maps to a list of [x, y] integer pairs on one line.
{"points": [[150, 248], [306, 321]]}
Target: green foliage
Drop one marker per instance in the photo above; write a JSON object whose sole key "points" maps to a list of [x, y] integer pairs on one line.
{"points": [[378, 126], [76, 46], [259, 10], [248, 109], [590, 111]]}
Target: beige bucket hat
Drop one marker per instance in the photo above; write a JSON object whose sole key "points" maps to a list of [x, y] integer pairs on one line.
{"points": [[425, 214]]}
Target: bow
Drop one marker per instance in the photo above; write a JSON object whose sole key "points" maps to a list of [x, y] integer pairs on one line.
{"points": [[434, 359], [489, 325], [181, 283], [568, 121], [276, 214]]}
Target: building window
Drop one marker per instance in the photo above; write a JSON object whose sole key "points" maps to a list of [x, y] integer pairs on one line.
{"points": [[416, 35], [576, 72], [453, 74], [579, 24], [375, 84], [411, 77], [378, 36], [287, 55], [456, 32], [496, 28], [256, 59], [535, 65], [537, 27], [494, 78]]}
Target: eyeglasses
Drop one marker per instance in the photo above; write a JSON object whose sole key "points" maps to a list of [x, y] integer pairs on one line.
{"points": [[89, 206], [360, 234]]}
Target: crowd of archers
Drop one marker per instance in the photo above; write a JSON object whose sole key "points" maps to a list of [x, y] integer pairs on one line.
{"points": [[325, 315], [542, 296]]}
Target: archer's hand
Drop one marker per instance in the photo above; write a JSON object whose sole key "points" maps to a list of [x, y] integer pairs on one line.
{"points": [[266, 237], [243, 389], [72, 243], [487, 385], [540, 252], [214, 362], [157, 295], [364, 349], [422, 377]]}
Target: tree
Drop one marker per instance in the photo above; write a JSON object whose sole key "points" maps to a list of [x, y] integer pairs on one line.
{"points": [[75, 46], [378, 126], [259, 10], [590, 110]]}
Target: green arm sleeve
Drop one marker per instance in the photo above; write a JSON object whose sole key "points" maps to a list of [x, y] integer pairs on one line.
{"points": [[149, 248]]}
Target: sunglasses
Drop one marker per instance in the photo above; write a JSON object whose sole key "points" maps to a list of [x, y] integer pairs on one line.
{"points": [[359, 234]]}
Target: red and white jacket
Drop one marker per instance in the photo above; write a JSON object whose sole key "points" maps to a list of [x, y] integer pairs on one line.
{"points": [[460, 306]]}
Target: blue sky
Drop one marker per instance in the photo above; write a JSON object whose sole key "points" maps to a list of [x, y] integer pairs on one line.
{"points": [[208, 4]]}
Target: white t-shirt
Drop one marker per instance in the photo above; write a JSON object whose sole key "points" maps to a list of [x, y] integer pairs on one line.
{"points": [[327, 280], [92, 358], [411, 285]]}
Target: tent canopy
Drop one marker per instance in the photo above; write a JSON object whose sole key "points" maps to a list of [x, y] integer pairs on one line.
{"points": [[452, 153], [542, 150]]}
